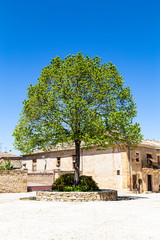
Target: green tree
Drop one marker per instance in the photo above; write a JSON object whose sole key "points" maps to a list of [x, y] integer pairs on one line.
{"points": [[77, 100]]}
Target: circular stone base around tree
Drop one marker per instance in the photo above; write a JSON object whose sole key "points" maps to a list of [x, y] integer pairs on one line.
{"points": [[107, 195]]}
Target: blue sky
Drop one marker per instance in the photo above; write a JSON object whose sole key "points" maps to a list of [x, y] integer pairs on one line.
{"points": [[124, 32]]}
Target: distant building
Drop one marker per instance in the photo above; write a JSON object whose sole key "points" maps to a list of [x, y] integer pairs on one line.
{"points": [[15, 159], [113, 168]]}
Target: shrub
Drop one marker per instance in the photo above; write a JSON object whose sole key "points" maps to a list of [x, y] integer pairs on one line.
{"points": [[65, 180], [65, 183], [88, 183], [7, 165]]}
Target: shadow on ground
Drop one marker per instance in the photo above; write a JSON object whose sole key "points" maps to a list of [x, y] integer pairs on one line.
{"points": [[120, 198]]}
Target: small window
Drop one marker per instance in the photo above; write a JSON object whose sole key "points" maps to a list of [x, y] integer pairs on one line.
{"points": [[34, 165], [73, 160], [158, 160], [118, 172], [58, 162], [137, 157]]}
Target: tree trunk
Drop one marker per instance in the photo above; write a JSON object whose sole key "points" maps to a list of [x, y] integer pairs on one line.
{"points": [[77, 163]]}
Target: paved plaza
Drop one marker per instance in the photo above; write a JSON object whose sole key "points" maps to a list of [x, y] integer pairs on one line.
{"points": [[138, 219]]}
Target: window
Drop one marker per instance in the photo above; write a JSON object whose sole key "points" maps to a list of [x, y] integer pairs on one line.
{"points": [[58, 162], [73, 160], [118, 172], [149, 156], [137, 157], [34, 165], [158, 160]]}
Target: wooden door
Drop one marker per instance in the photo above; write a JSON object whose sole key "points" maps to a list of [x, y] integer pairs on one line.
{"points": [[149, 182]]}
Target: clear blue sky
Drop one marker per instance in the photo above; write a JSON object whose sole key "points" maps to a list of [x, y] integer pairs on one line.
{"points": [[124, 32]]}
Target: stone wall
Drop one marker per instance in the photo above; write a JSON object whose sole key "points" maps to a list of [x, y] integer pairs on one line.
{"points": [[155, 179], [141, 172], [103, 166], [48, 161], [108, 195], [41, 178], [13, 181]]}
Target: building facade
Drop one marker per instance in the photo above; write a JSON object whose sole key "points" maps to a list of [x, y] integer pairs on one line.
{"points": [[114, 168]]}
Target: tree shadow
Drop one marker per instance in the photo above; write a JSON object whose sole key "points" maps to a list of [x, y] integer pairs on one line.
{"points": [[120, 198]]}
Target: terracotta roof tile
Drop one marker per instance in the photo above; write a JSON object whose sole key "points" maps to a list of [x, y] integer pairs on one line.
{"points": [[67, 146], [5, 154]]}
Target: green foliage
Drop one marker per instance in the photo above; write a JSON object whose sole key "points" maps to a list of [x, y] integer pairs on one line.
{"points": [[151, 165], [65, 183], [77, 99], [7, 165]]}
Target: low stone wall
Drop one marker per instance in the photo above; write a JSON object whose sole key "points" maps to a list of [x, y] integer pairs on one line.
{"points": [[107, 195], [13, 181], [41, 178]]}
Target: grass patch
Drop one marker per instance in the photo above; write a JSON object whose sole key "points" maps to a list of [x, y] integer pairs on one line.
{"points": [[29, 198]]}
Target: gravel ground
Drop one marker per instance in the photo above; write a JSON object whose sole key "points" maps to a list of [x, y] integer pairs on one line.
{"points": [[126, 219]]}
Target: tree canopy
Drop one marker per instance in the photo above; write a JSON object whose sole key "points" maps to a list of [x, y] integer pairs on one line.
{"points": [[78, 99]]}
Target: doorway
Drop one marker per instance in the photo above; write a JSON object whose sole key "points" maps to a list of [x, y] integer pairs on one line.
{"points": [[149, 182], [134, 181]]}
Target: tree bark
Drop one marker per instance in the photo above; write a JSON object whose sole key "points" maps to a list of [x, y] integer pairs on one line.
{"points": [[77, 163]]}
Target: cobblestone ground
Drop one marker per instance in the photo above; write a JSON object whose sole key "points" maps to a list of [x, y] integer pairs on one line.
{"points": [[126, 219]]}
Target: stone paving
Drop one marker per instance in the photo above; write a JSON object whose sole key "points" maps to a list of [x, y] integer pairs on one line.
{"points": [[137, 219]]}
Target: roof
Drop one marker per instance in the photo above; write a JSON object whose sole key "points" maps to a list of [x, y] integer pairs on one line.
{"points": [[69, 146], [58, 147], [9, 155], [150, 143]]}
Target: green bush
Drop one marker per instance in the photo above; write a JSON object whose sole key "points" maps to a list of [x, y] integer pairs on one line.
{"points": [[88, 183], [7, 165], [65, 180], [65, 183]]}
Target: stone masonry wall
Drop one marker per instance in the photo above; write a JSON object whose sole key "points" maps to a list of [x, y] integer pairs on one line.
{"points": [[41, 178], [13, 181], [108, 195], [141, 172]]}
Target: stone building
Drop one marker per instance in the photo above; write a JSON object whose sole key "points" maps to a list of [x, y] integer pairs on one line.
{"points": [[114, 168], [15, 159], [15, 180]]}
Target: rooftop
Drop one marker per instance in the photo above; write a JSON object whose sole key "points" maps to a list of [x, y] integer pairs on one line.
{"points": [[6, 154], [65, 146], [151, 143], [58, 147]]}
